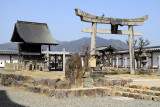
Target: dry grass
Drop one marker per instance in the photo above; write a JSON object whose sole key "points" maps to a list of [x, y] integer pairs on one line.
{"points": [[39, 74], [122, 76]]}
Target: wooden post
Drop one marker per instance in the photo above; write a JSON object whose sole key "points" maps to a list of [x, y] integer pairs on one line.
{"points": [[93, 39], [64, 59], [47, 58], [117, 61], [125, 62], [159, 62], [131, 50]]}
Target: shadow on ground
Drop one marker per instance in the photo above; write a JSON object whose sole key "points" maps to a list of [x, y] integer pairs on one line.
{"points": [[6, 102]]}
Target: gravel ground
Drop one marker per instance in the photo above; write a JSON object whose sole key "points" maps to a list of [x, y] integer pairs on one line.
{"points": [[15, 98]]}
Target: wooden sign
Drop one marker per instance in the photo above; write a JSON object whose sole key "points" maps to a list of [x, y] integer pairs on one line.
{"points": [[92, 62]]}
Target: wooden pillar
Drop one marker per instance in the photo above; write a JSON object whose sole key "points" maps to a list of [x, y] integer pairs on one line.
{"points": [[64, 59], [117, 61], [49, 46], [93, 39], [47, 58], [151, 59], [121, 60], [131, 50], [10, 58], [159, 62], [125, 62]]}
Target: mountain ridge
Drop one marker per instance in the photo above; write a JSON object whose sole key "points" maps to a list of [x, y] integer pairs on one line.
{"points": [[74, 45]]}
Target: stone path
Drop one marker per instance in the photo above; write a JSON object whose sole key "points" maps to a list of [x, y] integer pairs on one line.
{"points": [[14, 98]]}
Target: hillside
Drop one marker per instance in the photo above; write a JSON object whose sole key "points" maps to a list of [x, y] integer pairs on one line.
{"points": [[74, 46]]}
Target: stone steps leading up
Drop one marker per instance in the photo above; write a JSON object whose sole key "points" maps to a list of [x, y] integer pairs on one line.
{"points": [[138, 91], [136, 95], [153, 88]]}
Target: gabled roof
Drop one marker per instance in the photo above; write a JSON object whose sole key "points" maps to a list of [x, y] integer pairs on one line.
{"points": [[148, 49], [105, 48], [8, 52], [31, 32]]}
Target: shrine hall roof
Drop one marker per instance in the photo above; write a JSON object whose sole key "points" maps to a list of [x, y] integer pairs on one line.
{"points": [[31, 32]]}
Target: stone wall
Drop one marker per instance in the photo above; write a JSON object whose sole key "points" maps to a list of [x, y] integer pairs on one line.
{"points": [[13, 66], [62, 89]]}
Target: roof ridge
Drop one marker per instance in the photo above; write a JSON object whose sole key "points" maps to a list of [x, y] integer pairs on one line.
{"points": [[31, 22]]}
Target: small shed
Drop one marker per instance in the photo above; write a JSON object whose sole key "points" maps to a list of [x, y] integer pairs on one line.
{"points": [[31, 36]]}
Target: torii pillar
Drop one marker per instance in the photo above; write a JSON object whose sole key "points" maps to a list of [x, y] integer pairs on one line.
{"points": [[115, 22], [93, 39]]}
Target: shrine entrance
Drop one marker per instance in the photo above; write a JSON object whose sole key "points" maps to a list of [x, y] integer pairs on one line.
{"points": [[56, 62], [114, 22]]}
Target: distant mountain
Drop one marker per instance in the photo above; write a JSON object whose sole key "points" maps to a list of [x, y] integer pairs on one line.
{"points": [[74, 46], [9, 46]]}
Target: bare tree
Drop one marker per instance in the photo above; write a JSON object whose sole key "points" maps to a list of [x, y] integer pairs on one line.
{"points": [[85, 49], [141, 44]]}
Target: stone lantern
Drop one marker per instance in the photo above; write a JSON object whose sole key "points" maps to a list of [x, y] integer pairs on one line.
{"points": [[144, 62]]}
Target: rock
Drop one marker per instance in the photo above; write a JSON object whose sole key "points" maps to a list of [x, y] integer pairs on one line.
{"points": [[60, 94], [129, 90], [150, 93], [88, 82], [107, 92], [125, 94], [38, 81], [147, 97], [85, 93], [17, 83], [70, 93], [139, 86], [117, 93], [155, 98], [47, 92], [20, 77], [131, 95], [52, 93], [37, 89], [138, 96], [158, 89], [144, 92], [146, 87], [99, 92], [138, 91], [157, 93], [123, 82], [116, 82], [133, 86], [99, 82], [153, 88], [6, 80], [30, 88], [63, 85], [106, 82], [52, 82]]}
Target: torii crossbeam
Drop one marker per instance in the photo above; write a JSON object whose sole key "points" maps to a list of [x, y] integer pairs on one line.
{"points": [[115, 22]]}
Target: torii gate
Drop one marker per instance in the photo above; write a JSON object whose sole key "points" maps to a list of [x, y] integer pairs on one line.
{"points": [[86, 17]]}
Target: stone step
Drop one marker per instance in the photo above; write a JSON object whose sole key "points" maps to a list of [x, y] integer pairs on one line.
{"points": [[69, 93], [138, 91], [88, 82], [136, 95], [97, 74], [153, 88]]}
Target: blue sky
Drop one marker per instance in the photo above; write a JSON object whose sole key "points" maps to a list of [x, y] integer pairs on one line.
{"points": [[66, 26]]}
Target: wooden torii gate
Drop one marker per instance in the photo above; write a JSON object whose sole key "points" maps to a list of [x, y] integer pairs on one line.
{"points": [[115, 22]]}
